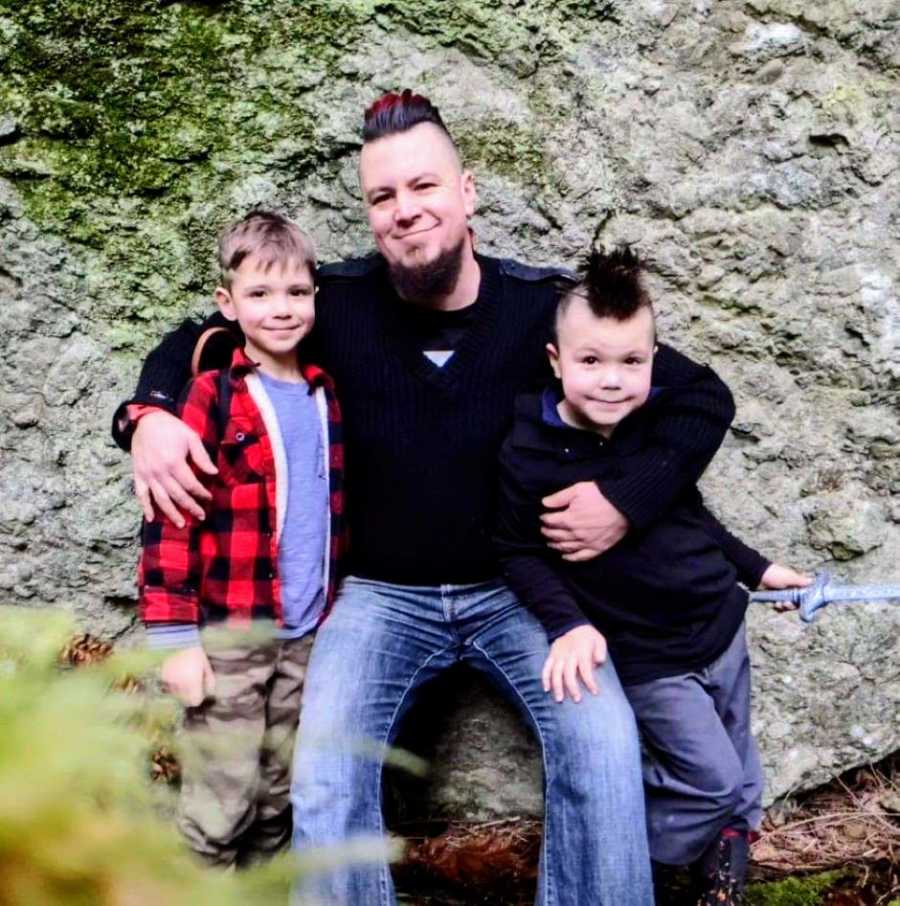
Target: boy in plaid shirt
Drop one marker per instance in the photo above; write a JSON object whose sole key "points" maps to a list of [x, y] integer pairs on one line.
{"points": [[265, 553]]}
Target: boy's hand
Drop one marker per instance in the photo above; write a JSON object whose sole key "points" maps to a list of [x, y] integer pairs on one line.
{"points": [[574, 654], [585, 523], [778, 576], [160, 449], [188, 676]]}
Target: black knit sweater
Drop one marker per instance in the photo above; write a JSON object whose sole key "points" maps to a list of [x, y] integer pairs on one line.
{"points": [[666, 596], [422, 442]]}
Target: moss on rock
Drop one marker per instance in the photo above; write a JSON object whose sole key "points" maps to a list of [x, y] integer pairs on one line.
{"points": [[808, 891], [506, 149]]}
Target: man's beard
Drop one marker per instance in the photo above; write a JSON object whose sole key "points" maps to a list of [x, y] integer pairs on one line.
{"points": [[432, 280]]}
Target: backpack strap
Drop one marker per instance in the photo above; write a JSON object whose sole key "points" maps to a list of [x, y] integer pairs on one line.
{"points": [[223, 400], [207, 354]]}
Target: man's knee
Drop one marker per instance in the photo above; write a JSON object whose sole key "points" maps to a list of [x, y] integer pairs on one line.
{"points": [[598, 731]]}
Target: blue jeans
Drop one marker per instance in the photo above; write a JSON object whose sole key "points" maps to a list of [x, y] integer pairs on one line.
{"points": [[373, 654]]}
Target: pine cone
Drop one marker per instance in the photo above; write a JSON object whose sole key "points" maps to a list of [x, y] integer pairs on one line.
{"points": [[164, 766], [84, 649]]}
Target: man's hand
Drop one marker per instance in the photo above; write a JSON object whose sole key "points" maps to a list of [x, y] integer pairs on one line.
{"points": [[574, 654], [585, 523], [778, 577], [188, 676], [160, 449]]}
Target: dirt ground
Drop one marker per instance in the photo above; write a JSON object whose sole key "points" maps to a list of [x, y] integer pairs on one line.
{"points": [[836, 846]]}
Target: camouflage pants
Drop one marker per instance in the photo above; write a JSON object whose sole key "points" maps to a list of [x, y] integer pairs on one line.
{"points": [[234, 807]]}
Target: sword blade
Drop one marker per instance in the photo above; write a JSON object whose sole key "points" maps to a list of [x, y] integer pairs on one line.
{"points": [[833, 593]]}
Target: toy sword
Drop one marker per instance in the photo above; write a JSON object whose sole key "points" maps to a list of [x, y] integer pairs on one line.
{"points": [[825, 591]]}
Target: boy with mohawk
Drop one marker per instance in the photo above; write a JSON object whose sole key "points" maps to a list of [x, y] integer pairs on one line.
{"points": [[667, 600], [265, 553]]}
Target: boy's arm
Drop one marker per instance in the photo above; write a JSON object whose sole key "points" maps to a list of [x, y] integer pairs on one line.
{"points": [[526, 561], [754, 570], [750, 564], [576, 647], [169, 574], [169, 571], [689, 424]]}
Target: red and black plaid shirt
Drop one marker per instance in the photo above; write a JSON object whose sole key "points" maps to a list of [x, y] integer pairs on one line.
{"points": [[225, 567]]}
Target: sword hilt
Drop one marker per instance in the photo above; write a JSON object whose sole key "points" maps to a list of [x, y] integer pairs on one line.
{"points": [[808, 599]]}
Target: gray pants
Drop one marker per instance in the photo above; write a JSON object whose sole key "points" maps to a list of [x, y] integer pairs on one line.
{"points": [[701, 767]]}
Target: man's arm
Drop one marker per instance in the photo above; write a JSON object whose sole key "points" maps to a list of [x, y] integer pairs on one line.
{"points": [[161, 445], [164, 375], [689, 423]]}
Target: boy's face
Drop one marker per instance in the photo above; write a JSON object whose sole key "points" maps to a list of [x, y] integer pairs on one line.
{"points": [[604, 365], [274, 307]]}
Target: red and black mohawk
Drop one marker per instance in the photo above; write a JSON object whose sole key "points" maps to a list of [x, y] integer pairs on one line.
{"points": [[393, 113]]}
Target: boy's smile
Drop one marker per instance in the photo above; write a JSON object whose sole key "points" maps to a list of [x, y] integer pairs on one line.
{"points": [[273, 302], [604, 364]]}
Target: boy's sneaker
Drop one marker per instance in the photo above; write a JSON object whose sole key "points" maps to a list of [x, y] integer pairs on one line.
{"points": [[721, 872]]}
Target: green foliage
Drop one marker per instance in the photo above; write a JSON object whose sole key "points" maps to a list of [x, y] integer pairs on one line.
{"points": [[79, 818], [806, 891]]}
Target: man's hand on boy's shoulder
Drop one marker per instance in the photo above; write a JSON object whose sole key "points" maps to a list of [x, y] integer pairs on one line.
{"points": [[581, 523], [573, 656], [160, 450], [188, 676], [777, 577]]}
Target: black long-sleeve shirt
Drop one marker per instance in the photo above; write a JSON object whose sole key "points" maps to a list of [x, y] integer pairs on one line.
{"points": [[666, 596], [421, 442]]}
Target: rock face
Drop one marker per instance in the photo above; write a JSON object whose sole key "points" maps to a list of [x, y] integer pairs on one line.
{"points": [[749, 150]]}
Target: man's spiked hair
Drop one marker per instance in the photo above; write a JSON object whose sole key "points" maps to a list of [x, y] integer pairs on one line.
{"points": [[393, 113]]}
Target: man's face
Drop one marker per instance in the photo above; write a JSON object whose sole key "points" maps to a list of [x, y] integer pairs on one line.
{"points": [[417, 196], [605, 365], [274, 306]]}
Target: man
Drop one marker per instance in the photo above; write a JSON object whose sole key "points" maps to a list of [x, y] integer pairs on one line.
{"points": [[428, 344]]}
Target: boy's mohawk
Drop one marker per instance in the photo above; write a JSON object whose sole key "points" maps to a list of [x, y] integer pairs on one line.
{"points": [[393, 113], [611, 283]]}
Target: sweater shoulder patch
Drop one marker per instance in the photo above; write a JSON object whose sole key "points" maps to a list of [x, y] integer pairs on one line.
{"points": [[352, 267], [531, 274]]}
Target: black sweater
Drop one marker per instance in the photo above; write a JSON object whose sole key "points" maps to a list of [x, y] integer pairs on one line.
{"points": [[666, 597], [422, 442]]}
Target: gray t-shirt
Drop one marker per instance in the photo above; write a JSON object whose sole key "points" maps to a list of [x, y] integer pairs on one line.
{"points": [[301, 549]]}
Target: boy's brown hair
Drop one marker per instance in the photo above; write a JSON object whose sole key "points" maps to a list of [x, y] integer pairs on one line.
{"points": [[267, 234]]}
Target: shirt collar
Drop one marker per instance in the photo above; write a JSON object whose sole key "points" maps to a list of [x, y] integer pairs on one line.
{"points": [[550, 399], [242, 364]]}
